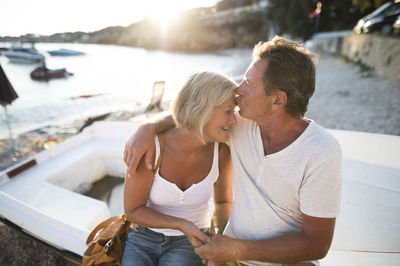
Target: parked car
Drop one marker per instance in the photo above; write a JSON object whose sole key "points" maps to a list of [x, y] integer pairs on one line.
{"points": [[381, 19], [396, 26]]}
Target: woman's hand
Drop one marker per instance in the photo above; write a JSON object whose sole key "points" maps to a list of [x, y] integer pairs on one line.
{"points": [[211, 231], [140, 144], [195, 236]]}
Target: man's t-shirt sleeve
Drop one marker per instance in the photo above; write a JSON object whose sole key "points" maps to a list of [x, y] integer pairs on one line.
{"points": [[320, 191]]}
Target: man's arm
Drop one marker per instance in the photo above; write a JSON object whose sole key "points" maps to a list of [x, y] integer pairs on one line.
{"points": [[142, 143], [311, 243]]}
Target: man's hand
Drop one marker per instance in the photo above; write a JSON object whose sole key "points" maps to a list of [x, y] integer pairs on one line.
{"points": [[140, 144], [219, 250]]}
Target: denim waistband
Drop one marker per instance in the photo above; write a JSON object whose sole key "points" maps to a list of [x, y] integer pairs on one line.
{"points": [[157, 234]]}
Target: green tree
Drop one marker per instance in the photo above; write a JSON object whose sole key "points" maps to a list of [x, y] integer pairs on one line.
{"points": [[367, 6], [338, 15], [292, 16]]}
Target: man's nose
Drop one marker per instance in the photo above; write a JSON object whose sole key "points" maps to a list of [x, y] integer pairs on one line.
{"points": [[239, 88]]}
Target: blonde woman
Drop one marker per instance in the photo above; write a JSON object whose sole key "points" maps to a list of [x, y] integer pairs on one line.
{"points": [[171, 205]]}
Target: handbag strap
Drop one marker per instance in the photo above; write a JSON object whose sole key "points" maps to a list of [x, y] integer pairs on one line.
{"points": [[161, 141], [104, 224], [122, 216]]}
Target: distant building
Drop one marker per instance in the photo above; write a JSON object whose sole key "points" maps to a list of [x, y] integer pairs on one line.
{"points": [[85, 37]]}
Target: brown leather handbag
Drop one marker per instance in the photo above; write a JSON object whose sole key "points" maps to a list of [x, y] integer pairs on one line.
{"points": [[107, 241]]}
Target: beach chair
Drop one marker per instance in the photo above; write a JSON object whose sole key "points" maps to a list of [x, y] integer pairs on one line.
{"points": [[158, 92]]}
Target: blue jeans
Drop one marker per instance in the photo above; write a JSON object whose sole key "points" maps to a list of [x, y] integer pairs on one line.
{"points": [[147, 247]]}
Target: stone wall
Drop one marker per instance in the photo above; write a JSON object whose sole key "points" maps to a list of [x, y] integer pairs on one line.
{"points": [[380, 52], [330, 42]]}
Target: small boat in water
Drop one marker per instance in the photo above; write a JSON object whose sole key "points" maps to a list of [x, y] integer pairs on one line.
{"points": [[2, 49], [85, 96], [44, 73], [47, 195], [65, 52], [23, 55]]}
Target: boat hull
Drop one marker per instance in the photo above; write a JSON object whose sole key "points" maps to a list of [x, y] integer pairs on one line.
{"points": [[65, 52], [23, 57], [45, 73]]}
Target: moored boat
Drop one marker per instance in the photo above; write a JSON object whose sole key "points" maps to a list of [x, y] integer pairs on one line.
{"points": [[23, 55], [45, 194], [65, 52], [45, 73]]}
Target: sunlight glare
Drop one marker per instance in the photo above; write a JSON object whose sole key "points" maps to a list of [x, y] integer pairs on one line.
{"points": [[164, 13], [43, 17]]}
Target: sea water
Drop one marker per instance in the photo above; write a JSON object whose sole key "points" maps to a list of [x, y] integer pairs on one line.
{"points": [[121, 77]]}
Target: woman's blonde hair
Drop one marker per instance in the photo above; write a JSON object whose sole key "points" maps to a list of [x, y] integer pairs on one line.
{"points": [[194, 104]]}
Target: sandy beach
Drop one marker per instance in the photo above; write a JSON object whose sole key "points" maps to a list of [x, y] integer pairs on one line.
{"points": [[345, 98]]}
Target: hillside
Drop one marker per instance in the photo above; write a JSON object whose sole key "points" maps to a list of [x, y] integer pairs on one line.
{"points": [[195, 30]]}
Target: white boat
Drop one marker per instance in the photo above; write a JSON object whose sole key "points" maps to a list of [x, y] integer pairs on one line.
{"points": [[41, 199], [65, 52], [23, 55]]}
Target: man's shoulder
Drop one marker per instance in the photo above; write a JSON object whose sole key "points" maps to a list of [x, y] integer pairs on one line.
{"points": [[243, 132], [323, 140]]}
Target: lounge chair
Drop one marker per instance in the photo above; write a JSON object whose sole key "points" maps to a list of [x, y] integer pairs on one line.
{"points": [[158, 92]]}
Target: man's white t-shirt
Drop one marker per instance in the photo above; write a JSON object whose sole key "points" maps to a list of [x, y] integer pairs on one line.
{"points": [[272, 191]]}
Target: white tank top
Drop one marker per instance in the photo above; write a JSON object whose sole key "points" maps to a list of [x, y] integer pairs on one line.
{"points": [[191, 204]]}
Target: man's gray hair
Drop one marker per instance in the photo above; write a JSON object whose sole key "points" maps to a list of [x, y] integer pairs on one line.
{"points": [[290, 68]]}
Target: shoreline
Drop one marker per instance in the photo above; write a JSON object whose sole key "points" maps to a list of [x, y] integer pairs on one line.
{"points": [[29, 143], [97, 88]]}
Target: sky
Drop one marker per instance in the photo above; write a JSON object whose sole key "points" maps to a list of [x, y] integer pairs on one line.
{"points": [[18, 17]]}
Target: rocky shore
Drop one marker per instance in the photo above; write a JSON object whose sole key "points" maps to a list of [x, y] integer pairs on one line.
{"points": [[345, 98]]}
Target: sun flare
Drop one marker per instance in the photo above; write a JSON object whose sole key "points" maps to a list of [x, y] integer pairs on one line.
{"points": [[102, 14], [164, 15]]}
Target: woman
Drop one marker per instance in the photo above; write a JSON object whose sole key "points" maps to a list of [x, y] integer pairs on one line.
{"points": [[170, 205]]}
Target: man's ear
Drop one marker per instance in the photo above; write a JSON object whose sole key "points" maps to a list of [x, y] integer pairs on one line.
{"points": [[280, 99]]}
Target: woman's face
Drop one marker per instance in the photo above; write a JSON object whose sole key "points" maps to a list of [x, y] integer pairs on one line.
{"points": [[223, 118]]}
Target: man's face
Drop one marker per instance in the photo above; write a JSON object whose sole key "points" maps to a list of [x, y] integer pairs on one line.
{"points": [[252, 101]]}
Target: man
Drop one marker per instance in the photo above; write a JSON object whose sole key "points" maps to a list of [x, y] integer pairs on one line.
{"points": [[287, 169]]}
